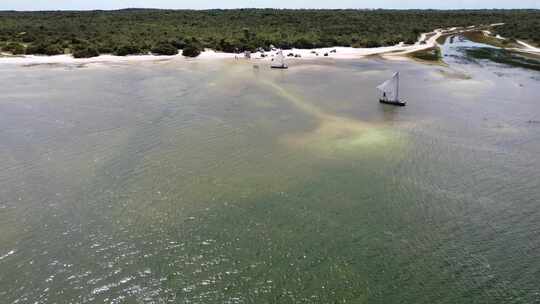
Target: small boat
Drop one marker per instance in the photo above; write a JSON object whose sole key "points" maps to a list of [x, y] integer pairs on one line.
{"points": [[390, 91], [279, 61]]}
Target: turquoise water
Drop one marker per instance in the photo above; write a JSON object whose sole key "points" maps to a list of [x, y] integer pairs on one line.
{"points": [[213, 182]]}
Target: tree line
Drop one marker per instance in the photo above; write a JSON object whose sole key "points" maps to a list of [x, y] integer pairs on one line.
{"points": [[164, 32]]}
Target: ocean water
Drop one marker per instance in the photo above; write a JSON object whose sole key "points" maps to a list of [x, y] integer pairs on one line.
{"points": [[218, 182]]}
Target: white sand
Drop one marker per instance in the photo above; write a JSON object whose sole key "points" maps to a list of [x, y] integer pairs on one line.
{"points": [[490, 34], [528, 48], [341, 53], [68, 59]]}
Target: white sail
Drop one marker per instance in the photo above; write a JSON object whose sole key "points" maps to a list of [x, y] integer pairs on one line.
{"points": [[390, 88], [279, 60]]}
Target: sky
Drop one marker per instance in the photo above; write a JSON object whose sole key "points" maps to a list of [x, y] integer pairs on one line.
{"points": [[205, 4]]}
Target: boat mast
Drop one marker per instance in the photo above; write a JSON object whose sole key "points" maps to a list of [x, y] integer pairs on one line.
{"points": [[397, 86]]}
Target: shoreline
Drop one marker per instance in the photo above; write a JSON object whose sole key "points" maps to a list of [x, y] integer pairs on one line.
{"points": [[306, 54], [397, 52], [338, 52]]}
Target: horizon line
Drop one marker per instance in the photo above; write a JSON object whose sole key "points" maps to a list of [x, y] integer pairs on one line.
{"points": [[272, 8]]}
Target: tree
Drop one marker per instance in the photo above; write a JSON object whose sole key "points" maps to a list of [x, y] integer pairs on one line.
{"points": [[128, 49], [28, 38], [191, 50], [45, 48], [15, 48], [227, 46], [303, 43], [179, 43], [85, 52], [246, 33], [54, 49], [106, 48], [38, 49], [164, 48], [139, 31]]}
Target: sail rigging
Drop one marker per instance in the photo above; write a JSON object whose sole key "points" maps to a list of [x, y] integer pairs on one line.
{"points": [[390, 88], [279, 60]]}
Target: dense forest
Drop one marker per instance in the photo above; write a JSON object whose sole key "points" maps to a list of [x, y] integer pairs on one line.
{"points": [[138, 31]]}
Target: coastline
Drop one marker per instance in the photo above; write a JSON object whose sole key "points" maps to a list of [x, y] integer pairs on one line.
{"points": [[306, 54], [397, 52]]}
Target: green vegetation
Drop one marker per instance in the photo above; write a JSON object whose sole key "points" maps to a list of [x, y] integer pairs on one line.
{"points": [[191, 50], [165, 48], [431, 54], [526, 29], [141, 31], [85, 52], [505, 57], [14, 48], [130, 49], [44, 49], [479, 37], [441, 40]]}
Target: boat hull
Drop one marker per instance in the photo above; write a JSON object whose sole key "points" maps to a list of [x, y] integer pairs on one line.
{"points": [[393, 103], [281, 67]]}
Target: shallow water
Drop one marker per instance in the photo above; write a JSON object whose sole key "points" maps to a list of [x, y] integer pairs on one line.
{"points": [[214, 182]]}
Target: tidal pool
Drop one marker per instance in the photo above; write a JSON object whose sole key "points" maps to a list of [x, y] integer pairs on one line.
{"points": [[218, 182]]}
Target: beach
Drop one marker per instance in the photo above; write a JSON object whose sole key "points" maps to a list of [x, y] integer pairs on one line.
{"points": [[396, 52], [399, 51]]}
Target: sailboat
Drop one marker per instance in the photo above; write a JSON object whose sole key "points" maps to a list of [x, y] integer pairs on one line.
{"points": [[279, 61], [390, 91]]}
